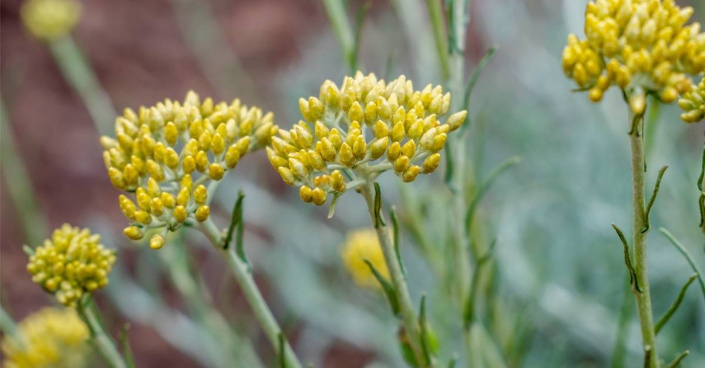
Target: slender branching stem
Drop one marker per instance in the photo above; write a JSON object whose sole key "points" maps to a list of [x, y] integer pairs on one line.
{"points": [[101, 340], [408, 316], [643, 298], [244, 278]]}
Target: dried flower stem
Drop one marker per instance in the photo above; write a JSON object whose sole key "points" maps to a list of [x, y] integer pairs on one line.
{"points": [[244, 278], [643, 299], [408, 315], [102, 342]]}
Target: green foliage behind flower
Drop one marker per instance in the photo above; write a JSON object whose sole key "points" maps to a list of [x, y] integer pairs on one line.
{"points": [[642, 46], [50, 338], [165, 154], [48, 20], [71, 263], [365, 127]]}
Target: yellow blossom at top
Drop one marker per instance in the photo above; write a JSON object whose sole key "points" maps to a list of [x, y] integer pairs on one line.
{"points": [[693, 104], [166, 155], [50, 338], [352, 133], [71, 263], [361, 245], [50, 19], [641, 46]]}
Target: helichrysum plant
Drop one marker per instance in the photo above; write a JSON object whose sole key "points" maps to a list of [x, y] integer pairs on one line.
{"points": [[50, 338], [362, 246], [71, 263], [351, 134], [644, 47], [49, 20], [165, 156]]}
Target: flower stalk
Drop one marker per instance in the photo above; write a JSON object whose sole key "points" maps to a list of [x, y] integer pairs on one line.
{"points": [[406, 308], [643, 298], [102, 342]]}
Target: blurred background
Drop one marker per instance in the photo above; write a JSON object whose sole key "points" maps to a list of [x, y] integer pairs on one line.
{"points": [[559, 264]]}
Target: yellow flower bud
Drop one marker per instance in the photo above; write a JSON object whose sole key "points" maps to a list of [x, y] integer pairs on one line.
{"points": [[200, 194], [378, 147], [202, 161], [171, 133], [411, 173], [168, 200], [157, 241], [430, 164], [133, 232], [180, 213], [202, 213], [287, 175], [457, 119], [408, 149], [401, 164], [116, 178], [337, 181], [306, 194], [346, 155], [394, 151], [319, 196], [183, 197], [359, 148], [216, 171], [157, 207], [143, 217]]}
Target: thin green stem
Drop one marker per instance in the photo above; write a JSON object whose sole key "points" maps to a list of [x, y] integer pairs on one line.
{"points": [[102, 341], [439, 36], [408, 316], [343, 30], [244, 278], [643, 299], [80, 76], [687, 257]]}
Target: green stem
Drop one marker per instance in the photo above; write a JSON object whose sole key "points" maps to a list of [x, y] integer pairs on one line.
{"points": [[408, 315], [102, 342], [343, 30], [19, 186], [643, 299], [434, 10], [78, 73], [244, 278]]}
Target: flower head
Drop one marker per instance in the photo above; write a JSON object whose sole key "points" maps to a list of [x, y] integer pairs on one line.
{"points": [[166, 154], [361, 245], [71, 263], [642, 46], [693, 104], [50, 338], [48, 20], [357, 131]]}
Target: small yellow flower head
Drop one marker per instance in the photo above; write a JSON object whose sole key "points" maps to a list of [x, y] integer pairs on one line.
{"points": [[71, 263], [365, 127], [49, 20], [693, 104], [361, 245], [641, 46], [166, 155], [50, 338]]}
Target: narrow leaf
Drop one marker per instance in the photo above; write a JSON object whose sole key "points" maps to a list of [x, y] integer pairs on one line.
{"points": [[687, 256], [496, 172], [282, 350], [331, 209], [386, 287], [653, 198], [359, 23], [450, 167], [628, 259], [127, 350], [475, 76], [395, 238], [676, 303], [424, 330], [379, 220], [676, 362], [469, 309]]}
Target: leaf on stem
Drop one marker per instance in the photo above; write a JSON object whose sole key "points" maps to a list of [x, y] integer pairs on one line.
{"points": [[395, 238], [359, 23], [676, 362], [331, 209], [687, 256], [237, 227], [379, 220], [475, 76], [127, 350], [628, 260], [450, 168], [676, 303], [387, 287], [282, 350], [469, 309], [28, 250], [653, 198], [424, 330], [496, 172], [701, 200]]}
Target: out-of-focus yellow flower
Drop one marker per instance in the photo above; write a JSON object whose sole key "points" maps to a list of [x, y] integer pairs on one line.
{"points": [[165, 155], [642, 46], [50, 338], [693, 104], [71, 263], [48, 20], [353, 133], [361, 245]]}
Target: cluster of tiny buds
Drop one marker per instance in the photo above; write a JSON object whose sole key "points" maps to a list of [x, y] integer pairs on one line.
{"points": [[71, 263], [693, 104], [166, 154], [359, 130], [642, 46]]}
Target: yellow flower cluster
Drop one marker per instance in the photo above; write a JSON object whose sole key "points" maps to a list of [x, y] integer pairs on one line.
{"points": [[50, 338], [642, 46], [71, 263], [359, 130], [361, 245], [693, 104], [166, 154], [48, 20]]}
